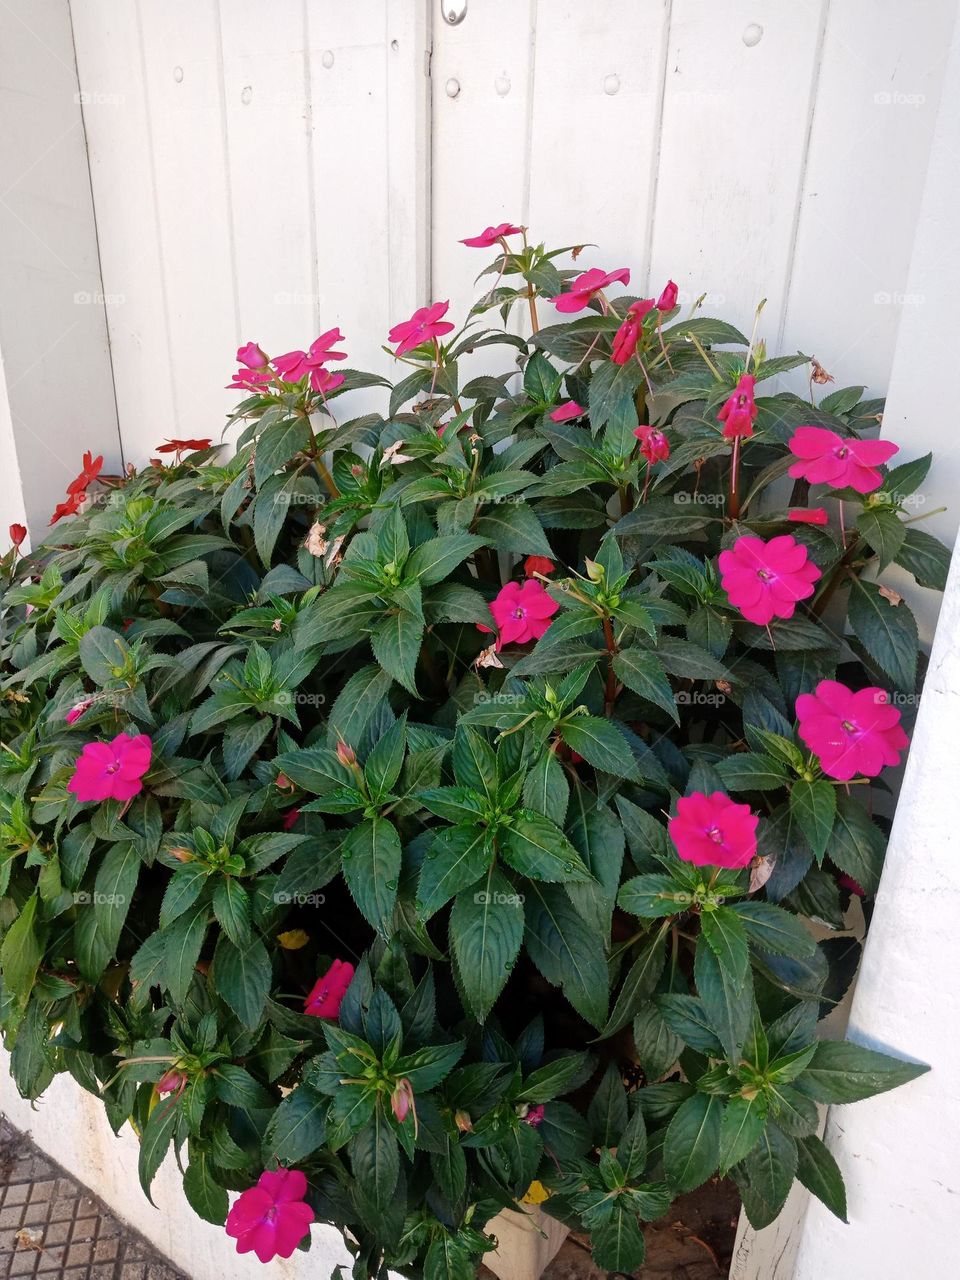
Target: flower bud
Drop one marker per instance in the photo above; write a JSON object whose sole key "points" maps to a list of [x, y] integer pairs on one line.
{"points": [[346, 755], [401, 1100]]}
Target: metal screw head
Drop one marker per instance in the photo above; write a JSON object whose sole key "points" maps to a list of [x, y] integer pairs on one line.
{"points": [[453, 88]]}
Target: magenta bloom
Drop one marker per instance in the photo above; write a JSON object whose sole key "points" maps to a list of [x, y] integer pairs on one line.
{"points": [[325, 999], [77, 710], [739, 412], [290, 819], [534, 1116], [172, 1081], [853, 734], [812, 515], [298, 364], [587, 286], [627, 337], [253, 356], [668, 299], [249, 380], [522, 612], [401, 1100], [839, 461], [323, 380], [567, 411], [425, 325], [111, 770], [714, 831], [654, 445], [272, 1217], [764, 580], [491, 235]]}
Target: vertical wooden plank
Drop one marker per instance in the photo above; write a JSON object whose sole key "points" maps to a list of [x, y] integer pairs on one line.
{"points": [[735, 122], [482, 71], [181, 59], [595, 130], [879, 89], [110, 69], [270, 172]]}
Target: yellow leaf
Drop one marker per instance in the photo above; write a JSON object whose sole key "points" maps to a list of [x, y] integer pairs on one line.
{"points": [[293, 939]]}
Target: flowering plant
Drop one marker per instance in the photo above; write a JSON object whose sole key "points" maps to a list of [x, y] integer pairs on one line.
{"points": [[423, 806]]}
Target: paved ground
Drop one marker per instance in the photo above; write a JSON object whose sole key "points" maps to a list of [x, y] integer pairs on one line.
{"points": [[50, 1226]]}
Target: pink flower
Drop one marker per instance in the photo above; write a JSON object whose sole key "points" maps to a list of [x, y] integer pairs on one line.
{"points": [[77, 710], [290, 819], [534, 1116], [839, 461], [401, 1100], [853, 734], [813, 515], [739, 412], [668, 299], [111, 770], [425, 325], [567, 411], [713, 831], [521, 612], [323, 380], [17, 534], [627, 337], [171, 1081], [249, 380], [253, 356], [654, 445], [538, 564], [490, 235], [764, 580], [272, 1217], [587, 286], [854, 886], [295, 365], [327, 995]]}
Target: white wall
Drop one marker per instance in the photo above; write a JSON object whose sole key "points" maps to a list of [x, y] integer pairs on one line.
{"points": [[54, 361]]}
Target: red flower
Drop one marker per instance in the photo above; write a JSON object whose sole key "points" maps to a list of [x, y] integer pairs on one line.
{"points": [[587, 286], [813, 515], [668, 299], [490, 235], [290, 819], [764, 580], [538, 564], [91, 469], [111, 770], [183, 446], [425, 325], [739, 412], [327, 995], [17, 534], [521, 613], [713, 831], [69, 508], [839, 461], [272, 1217], [567, 411], [853, 734], [253, 356], [654, 445], [627, 337]]}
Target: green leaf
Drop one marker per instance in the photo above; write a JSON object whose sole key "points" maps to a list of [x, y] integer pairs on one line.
{"points": [[455, 860], [231, 906], [884, 531], [375, 1159], [658, 1048], [638, 985], [371, 858], [887, 631], [537, 848], [600, 743], [102, 654], [857, 845], [448, 1259], [556, 1077], [740, 1129], [22, 952], [819, 1173], [514, 527], [766, 1175], [841, 1071], [772, 929], [277, 445], [644, 674], [618, 1244], [486, 930], [242, 976], [654, 894], [99, 926], [566, 951], [727, 1001], [154, 1142], [207, 1198], [813, 805], [546, 790], [607, 1112], [396, 646], [297, 1127], [691, 1147], [724, 933], [436, 559], [926, 558], [744, 771]]}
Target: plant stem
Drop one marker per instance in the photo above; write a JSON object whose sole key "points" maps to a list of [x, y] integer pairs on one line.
{"points": [[733, 506], [532, 303], [610, 696]]}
